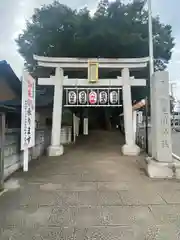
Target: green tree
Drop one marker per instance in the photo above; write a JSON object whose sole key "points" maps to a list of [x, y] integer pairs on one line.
{"points": [[116, 30]]}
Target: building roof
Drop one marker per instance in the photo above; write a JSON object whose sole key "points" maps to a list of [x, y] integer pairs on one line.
{"points": [[14, 83], [11, 79]]}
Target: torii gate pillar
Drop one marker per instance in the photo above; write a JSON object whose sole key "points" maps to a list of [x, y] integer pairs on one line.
{"points": [[130, 148], [56, 149]]}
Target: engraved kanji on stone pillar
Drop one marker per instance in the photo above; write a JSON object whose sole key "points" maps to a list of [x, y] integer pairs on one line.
{"points": [[161, 118]]}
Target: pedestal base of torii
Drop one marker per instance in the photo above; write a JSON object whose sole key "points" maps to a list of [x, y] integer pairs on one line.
{"points": [[130, 150], [54, 151]]}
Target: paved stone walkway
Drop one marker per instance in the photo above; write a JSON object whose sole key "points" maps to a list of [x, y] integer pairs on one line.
{"points": [[91, 193]]}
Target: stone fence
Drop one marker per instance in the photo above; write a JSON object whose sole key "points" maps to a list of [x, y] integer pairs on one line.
{"points": [[13, 156]]}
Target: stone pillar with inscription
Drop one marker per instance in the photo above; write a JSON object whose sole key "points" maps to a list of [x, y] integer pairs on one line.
{"points": [[162, 116], [160, 165]]}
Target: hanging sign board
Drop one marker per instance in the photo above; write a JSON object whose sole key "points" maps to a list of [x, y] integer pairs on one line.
{"points": [[81, 97], [93, 71]]}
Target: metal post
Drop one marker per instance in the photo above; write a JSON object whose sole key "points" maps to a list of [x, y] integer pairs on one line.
{"points": [[2, 138], [151, 72], [146, 128]]}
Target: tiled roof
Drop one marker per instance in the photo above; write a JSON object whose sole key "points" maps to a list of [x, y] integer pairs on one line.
{"points": [[11, 79], [15, 84]]}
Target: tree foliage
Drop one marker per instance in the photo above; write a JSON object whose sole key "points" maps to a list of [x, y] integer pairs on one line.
{"points": [[115, 30]]}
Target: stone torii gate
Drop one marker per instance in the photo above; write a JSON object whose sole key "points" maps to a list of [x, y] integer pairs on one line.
{"points": [[124, 66]]}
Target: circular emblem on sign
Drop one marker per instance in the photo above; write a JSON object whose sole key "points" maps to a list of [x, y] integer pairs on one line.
{"points": [[82, 97], [92, 97], [113, 97], [103, 97], [72, 97]]}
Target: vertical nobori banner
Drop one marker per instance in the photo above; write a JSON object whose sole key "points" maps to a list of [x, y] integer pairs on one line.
{"points": [[28, 112]]}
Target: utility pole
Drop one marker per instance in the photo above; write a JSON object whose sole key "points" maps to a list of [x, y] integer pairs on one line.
{"points": [[150, 33], [2, 136], [151, 48], [151, 62]]}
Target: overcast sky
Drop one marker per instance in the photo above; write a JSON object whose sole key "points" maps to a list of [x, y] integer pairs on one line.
{"points": [[13, 14]]}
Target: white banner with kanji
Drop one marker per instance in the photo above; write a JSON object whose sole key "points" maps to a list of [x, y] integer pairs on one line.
{"points": [[28, 111]]}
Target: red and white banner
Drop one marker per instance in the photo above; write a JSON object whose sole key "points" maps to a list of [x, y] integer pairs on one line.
{"points": [[28, 112]]}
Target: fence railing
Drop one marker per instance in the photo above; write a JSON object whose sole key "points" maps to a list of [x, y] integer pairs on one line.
{"points": [[139, 128], [141, 135], [13, 156]]}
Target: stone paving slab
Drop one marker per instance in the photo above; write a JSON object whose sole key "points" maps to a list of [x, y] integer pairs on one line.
{"points": [[156, 232], [169, 214], [109, 198], [138, 197], [28, 217], [92, 192], [105, 233], [171, 196], [70, 186], [97, 233], [40, 234]]}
